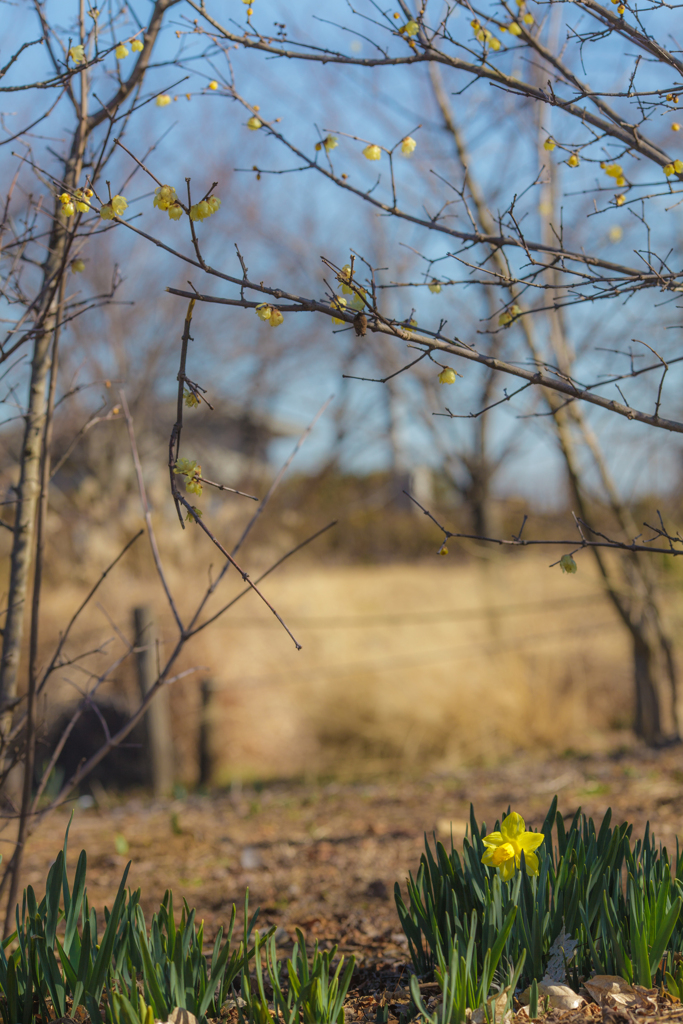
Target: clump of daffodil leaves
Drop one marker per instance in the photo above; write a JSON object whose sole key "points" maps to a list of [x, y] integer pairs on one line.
{"points": [[488, 913]]}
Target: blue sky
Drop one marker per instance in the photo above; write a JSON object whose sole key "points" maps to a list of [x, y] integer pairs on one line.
{"points": [[284, 223]]}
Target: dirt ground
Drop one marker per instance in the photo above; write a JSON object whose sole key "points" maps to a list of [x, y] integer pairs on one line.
{"points": [[325, 857]]}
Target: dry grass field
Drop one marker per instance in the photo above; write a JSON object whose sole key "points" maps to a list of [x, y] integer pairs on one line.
{"points": [[435, 663]]}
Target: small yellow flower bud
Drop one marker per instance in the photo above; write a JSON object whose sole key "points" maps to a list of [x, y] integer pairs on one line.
{"points": [[514, 29], [106, 212], [408, 145], [615, 233], [121, 51], [675, 127], [88, 193], [330, 143], [678, 166], [214, 204], [264, 311], [621, 9], [494, 43], [668, 169], [118, 205], [447, 376], [443, 550], [620, 200], [573, 161], [213, 85], [621, 181], [137, 45], [175, 211], [64, 198], [77, 265], [434, 286], [339, 302], [77, 54], [164, 196], [163, 100], [253, 124], [549, 144], [275, 318], [528, 19], [372, 152], [411, 28], [567, 564]]}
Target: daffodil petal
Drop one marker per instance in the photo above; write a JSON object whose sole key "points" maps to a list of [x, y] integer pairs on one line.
{"points": [[493, 839], [531, 862], [513, 826], [530, 841], [507, 870]]}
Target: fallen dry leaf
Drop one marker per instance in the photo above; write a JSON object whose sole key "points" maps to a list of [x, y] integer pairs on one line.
{"points": [[561, 997], [609, 987], [180, 1016]]}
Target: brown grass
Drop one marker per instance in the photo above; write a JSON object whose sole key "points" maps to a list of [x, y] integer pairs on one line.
{"points": [[403, 666]]}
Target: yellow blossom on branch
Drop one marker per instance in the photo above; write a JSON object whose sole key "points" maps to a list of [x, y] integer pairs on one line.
{"points": [[408, 145], [165, 196], [514, 29], [213, 85], [411, 28], [567, 564], [77, 265], [163, 100], [339, 302], [77, 54], [121, 51], [448, 376], [434, 286], [137, 45], [549, 144], [504, 849], [328, 143], [573, 161], [372, 152], [254, 124], [264, 311], [175, 211], [276, 318]]}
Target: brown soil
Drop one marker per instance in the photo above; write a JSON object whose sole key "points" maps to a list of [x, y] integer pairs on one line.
{"points": [[325, 857]]}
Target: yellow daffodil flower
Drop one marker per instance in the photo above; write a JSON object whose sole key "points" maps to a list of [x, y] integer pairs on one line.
{"points": [[372, 152], [408, 145], [447, 376], [504, 849], [163, 100], [567, 564]]}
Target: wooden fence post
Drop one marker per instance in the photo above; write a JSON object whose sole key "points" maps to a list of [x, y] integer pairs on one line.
{"points": [[205, 758], [158, 716]]}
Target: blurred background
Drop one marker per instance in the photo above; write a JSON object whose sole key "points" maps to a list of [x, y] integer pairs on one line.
{"points": [[409, 661]]}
